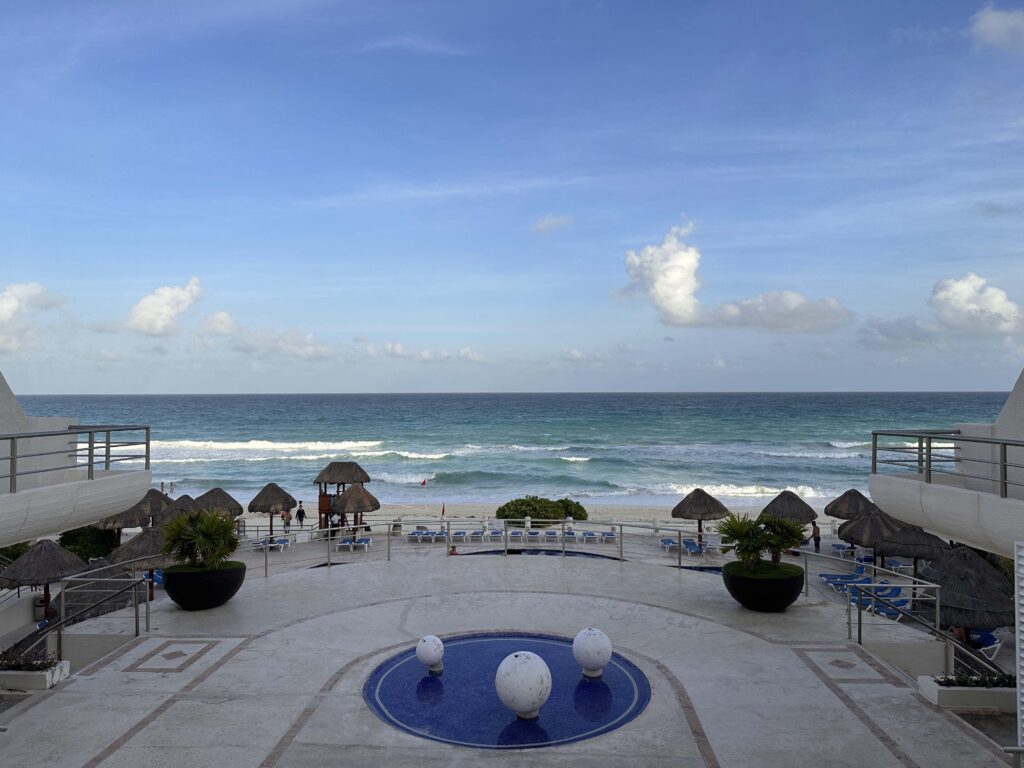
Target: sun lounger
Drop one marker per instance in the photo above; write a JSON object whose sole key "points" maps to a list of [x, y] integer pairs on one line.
{"points": [[346, 543], [844, 586], [496, 535], [458, 537], [363, 542], [692, 547], [858, 571], [260, 544], [533, 536], [551, 535], [589, 537], [894, 609], [987, 643], [414, 536], [281, 543], [608, 537], [570, 536], [843, 549], [515, 537], [476, 535]]}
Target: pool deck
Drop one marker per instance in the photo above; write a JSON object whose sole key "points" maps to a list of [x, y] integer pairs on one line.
{"points": [[274, 677]]}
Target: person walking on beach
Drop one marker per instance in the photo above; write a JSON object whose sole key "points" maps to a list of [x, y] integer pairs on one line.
{"points": [[286, 520], [816, 535], [300, 515]]}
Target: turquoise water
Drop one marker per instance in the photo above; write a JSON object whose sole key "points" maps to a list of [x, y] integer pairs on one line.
{"points": [[599, 448]]}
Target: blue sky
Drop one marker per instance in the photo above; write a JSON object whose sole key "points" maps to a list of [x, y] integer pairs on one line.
{"points": [[276, 195]]}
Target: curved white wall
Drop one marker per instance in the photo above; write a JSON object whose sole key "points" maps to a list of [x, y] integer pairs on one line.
{"points": [[982, 520]]}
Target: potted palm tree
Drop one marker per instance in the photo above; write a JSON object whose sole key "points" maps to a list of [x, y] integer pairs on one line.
{"points": [[768, 586], [201, 543]]}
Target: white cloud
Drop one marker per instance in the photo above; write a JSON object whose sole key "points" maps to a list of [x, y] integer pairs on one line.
{"points": [[260, 342], [17, 302], [718, 361], [998, 29], [970, 304], [156, 314], [549, 223], [895, 333], [395, 349], [784, 311], [220, 324], [429, 191], [667, 273]]}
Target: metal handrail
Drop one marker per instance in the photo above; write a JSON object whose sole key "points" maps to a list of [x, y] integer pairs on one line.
{"points": [[928, 455], [95, 452]]}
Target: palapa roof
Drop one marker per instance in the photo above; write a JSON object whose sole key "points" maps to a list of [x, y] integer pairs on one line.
{"points": [[139, 514], [869, 528], [974, 593], [355, 500], [698, 504], [44, 563], [219, 501], [849, 505], [272, 499], [342, 473], [914, 542], [148, 545], [789, 506], [183, 503]]}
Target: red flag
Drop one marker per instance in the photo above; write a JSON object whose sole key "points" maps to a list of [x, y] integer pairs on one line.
{"points": [[442, 509], [424, 483]]}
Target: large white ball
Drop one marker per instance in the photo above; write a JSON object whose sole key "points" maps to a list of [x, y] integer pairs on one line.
{"points": [[592, 650], [523, 682], [430, 652]]}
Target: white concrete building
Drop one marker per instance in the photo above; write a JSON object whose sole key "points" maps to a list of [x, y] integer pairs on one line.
{"points": [[965, 483], [56, 475]]}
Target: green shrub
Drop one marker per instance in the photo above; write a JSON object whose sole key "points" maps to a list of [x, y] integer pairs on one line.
{"points": [[976, 681], [88, 542], [13, 552], [200, 539], [17, 660], [539, 510], [748, 538]]}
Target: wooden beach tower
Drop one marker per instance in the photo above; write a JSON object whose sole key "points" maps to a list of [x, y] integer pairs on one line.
{"points": [[340, 474]]}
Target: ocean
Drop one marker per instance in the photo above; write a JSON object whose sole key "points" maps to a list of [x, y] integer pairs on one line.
{"points": [[602, 449]]}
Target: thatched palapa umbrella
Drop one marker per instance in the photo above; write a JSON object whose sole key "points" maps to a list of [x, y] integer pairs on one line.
{"points": [[789, 506], [180, 505], [148, 546], [914, 542], [339, 474], [849, 505], [356, 501], [869, 529], [271, 500], [218, 501], [44, 563], [974, 593], [700, 505], [139, 515]]}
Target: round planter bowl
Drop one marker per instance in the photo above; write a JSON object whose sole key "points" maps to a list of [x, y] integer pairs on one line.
{"points": [[764, 592], [198, 590]]}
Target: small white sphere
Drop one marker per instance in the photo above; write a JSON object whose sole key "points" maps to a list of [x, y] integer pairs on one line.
{"points": [[430, 652], [523, 682], [592, 650]]}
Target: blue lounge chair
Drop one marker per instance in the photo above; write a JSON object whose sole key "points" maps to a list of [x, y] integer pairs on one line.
{"points": [[891, 610], [866, 559], [458, 537], [858, 571], [347, 543], [692, 547], [414, 536], [281, 543], [476, 535], [533, 536], [843, 586], [570, 536], [608, 537], [843, 549], [987, 643], [516, 536], [364, 542], [260, 544], [551, 535], [669, 544], [496, 535], [589, 537]]}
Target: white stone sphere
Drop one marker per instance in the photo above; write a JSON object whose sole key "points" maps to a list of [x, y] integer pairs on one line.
{"points": [[430, 652], [592, 650], [523, 682]]}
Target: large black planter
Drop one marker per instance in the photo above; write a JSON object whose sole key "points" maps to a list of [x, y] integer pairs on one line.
{"points": [[764, 592], [197, 590]]}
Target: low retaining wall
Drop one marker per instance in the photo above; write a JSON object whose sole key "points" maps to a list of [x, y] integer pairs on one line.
{"points": [[968, 699]]}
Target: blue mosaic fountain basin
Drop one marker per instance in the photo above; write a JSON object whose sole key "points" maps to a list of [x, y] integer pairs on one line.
{"points": [[461, 707]]}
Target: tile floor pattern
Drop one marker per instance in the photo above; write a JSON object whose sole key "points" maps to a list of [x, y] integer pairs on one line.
{"points": [[274, 678]]}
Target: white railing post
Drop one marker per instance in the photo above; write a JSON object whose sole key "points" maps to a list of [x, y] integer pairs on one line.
{"points": [[14, 465]]}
